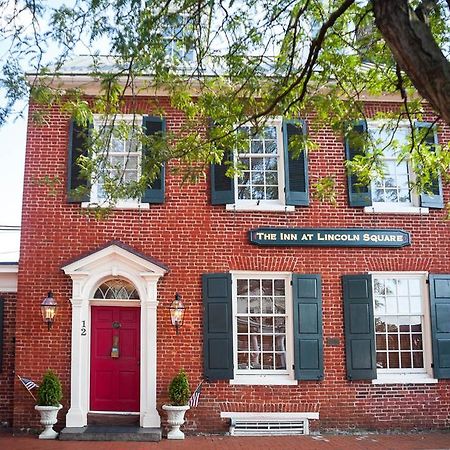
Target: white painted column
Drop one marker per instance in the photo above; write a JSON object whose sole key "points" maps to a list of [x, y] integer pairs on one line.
{"points": [[79, 372], [149, 417]]}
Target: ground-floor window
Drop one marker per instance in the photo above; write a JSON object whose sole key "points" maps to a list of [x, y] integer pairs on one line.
{"points": [[262, 325], [402, 325]]}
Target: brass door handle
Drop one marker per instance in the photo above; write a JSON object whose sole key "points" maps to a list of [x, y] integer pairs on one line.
{"points": [[115, 347]]}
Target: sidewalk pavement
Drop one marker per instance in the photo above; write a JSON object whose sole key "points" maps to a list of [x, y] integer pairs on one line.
{"points": [[368, 441]]}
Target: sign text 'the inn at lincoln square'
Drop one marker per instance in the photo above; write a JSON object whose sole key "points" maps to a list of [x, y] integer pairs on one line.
{"points": [[330, 237]]}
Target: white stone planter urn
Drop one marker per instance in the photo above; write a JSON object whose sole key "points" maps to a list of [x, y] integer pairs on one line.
{"points": [[48, 419], [175, 418]]}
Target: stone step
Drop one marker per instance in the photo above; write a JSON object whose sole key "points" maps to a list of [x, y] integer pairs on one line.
{"points": [[111, 433], [113, 419]]}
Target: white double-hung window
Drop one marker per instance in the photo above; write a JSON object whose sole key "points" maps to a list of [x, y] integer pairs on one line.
{"points": [[394, 187], [402, 327], [260, 158], [119, 157], [262, 306]]}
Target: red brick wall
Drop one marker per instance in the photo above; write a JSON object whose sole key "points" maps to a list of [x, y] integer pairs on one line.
{"points": [[7, 369], [192, 237]]}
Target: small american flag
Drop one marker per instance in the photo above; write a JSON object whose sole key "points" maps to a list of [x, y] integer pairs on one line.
{"points": [[29, 384], [193, 401]]}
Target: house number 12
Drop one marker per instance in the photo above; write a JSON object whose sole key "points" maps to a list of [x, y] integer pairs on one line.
{"points": [[83, 328]]}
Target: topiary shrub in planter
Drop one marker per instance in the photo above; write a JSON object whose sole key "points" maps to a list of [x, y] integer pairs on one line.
{"points": [[49, 395], [179, 394]]}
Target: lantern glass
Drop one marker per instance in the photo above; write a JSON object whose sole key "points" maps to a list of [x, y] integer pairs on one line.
{"points": [[177, 312], [48, 310]]}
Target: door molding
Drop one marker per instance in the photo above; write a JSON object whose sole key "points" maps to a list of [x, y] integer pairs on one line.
{"points": [[87, 273]]}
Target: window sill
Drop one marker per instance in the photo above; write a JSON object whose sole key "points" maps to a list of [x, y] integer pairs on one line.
{"points": [[405, 379], [265, 207], [280, 380], [395, 209], [118, 206]]}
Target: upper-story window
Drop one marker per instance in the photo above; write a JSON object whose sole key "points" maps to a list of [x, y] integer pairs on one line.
{"points": [[261, 159], [272, 163], [121, 156], [395, 186], [116, 150], [393, 192], [178, 37]]}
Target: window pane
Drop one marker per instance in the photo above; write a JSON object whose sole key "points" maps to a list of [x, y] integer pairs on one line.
{"points": [[255, 287], [268, 361], [417, 342], [257, 146], [280, 306], [280, 342], [280, 361], [242, 325], [279, 287], [267, 325], [243, 361], [267, 305], [242, 342], [380, 325], [242, 305], [267, 343], [242, 287], [381, 360], [272, 193], [405, 342], [392, 341], [381, 342], [244, 193], [406, 360], [418, 360], [394, 362]]}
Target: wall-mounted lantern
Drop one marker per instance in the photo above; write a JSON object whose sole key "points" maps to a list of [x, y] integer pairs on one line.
{"points": [[177, 312], [48, 310]]}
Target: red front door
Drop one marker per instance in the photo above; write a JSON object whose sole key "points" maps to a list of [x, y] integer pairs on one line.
{"points": [[115, 358]]}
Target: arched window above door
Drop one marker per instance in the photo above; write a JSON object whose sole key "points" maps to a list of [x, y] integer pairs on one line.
{"points": [[116, 289]]}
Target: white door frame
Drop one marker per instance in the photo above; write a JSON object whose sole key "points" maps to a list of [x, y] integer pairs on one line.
{"points": [[87, 274]]}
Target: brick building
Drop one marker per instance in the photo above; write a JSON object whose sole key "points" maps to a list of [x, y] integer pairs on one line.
{"points": [[296, 309]]}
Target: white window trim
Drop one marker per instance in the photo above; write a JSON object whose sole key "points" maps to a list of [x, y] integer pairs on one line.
{"points": [[122, 204], [391, 208], [424, 376], [278, 205], [412, 207], [286, 377]]}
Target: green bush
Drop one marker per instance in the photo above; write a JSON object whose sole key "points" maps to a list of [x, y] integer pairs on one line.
{"points": [[179, 392], [49, 392]]}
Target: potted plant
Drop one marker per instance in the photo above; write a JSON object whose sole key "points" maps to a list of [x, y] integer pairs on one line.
{"points": [[49, 396], [179, 395]]}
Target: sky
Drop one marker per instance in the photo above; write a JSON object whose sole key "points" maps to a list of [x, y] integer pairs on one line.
{"points": [[12, 155]]}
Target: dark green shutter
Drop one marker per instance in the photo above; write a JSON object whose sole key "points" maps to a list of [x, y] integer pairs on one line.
{"points": [[436, 199], [217, 327], [358, 195], [2, 341], [295, 168], [78, 146], [308, 337], [359, 327], [440, 324], [222, 187], [155, 191]]}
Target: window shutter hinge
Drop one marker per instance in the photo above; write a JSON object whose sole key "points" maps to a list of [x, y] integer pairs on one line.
{"points": [[293, 366], [432, 365], [427, 281]]}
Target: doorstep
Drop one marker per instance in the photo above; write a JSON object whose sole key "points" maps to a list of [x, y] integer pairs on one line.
{"points": [[111, 433]]}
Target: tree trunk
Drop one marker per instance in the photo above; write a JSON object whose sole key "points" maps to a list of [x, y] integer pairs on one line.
{"points": [[416, 51]]}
